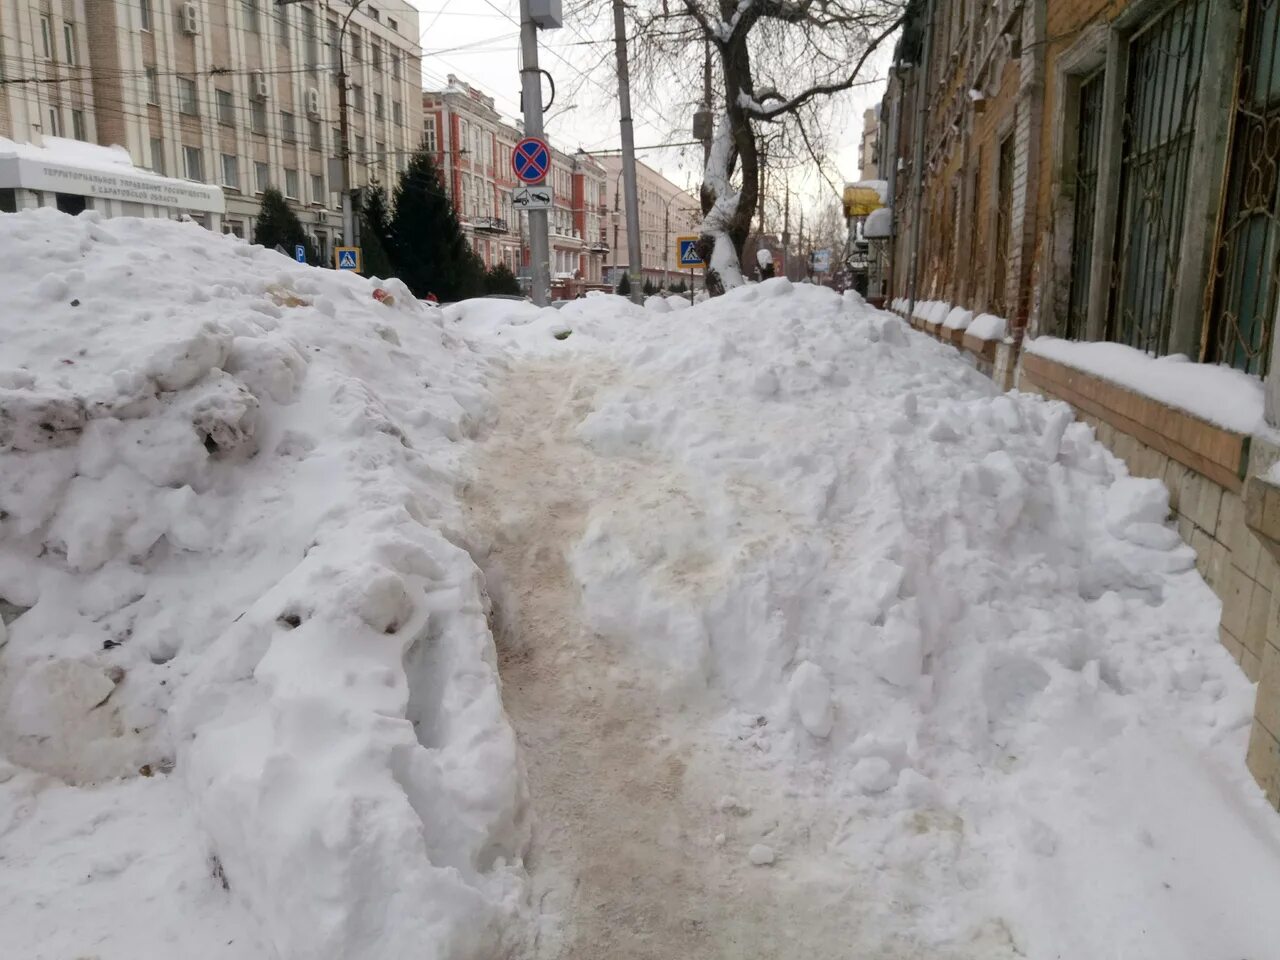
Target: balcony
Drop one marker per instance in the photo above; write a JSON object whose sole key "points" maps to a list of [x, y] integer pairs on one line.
{"points": [[489, 225], [599, 246]]}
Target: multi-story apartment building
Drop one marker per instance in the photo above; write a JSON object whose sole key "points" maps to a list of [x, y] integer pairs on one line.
{"points": [[667, 211], [472, 143], [241, 94], [869, 146], [1107, 172]]}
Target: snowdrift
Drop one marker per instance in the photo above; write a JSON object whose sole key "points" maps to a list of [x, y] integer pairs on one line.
{"points": [[248, 700], [948, 611]]}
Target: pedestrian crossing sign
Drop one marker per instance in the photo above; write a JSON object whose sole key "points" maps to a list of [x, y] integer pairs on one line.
{"points": [[347, 258], [687, 252]]}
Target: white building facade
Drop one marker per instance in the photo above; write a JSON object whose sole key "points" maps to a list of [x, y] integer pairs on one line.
{"points": [[237, 94]]}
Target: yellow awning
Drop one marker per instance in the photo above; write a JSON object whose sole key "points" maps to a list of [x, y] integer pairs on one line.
{"points": [[860, 201]]}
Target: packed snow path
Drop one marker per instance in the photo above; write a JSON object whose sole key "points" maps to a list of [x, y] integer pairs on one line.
{"points": [[814, 644], [643, 826]]}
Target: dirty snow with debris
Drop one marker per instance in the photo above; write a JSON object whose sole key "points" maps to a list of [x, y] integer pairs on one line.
{"points": [[948, 665], [248, 700]]}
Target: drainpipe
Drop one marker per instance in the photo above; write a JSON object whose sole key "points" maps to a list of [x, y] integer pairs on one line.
{"points": [[891, 143], [917, 168]]}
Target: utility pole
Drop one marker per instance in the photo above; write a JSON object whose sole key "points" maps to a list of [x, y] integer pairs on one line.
{"points": [[628, 153], [917, 167], [531, 94], [344, 133], [786, 234]]}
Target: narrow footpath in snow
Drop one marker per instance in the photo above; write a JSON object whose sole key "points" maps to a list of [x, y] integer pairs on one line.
{"points": [[650, 838]]}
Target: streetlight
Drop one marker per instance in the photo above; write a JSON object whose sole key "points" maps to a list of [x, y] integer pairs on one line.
{"points": [[344, 131]]}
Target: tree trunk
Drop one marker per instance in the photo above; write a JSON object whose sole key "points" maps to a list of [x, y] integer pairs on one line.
{"points": [[727, 213]]}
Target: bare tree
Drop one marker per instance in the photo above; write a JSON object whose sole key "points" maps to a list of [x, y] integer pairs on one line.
{"points": [[778, 64]]}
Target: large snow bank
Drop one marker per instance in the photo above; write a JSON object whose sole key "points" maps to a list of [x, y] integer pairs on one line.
{"points": [[1219, 394], [951, 614], [248, 701]]}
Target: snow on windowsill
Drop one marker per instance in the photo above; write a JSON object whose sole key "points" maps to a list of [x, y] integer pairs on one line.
{"points": [[1221, 395]]}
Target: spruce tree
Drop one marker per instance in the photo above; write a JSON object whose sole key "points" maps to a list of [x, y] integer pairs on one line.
{"points": [[376, 244], [624, 285], [278, 225], [500, 279], [431, 254]]}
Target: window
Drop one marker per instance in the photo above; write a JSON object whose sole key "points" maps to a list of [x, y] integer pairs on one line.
{"points": [[395, 65], [1159, 135], [289, 126], [379, 107], [230, 171], [251, 20], [192, 167], [381, 157], [397, 113], [46, 37], [1245, 281], [226, 108], [282, 24], [261, 176], [333, 45], [393, 25], [357, 98], [77, 125], [310, 41], [69, 42], [315, 133], [258, 116], [429, 134], [317, 189], [375, 54], [1004, 216], [361, 155], [291, 183], [144, 14], [55, 122], [157, 155], [355, 44], [186, 96], [153, 86], [1088, 143]]}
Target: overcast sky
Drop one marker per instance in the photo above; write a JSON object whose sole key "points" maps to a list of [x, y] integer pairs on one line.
{"points": [[478, 40]]}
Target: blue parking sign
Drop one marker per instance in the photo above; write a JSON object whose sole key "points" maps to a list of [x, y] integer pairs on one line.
{"points": [[300, 253]]}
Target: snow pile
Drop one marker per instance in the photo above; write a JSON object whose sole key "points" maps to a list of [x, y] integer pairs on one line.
{"points": [[248, 702], [987, 326], [878, 225], [1221, 395], [946, 613], [957, 318]]}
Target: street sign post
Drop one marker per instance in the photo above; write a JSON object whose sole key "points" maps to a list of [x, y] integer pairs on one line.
{"points": [[687, 252], [822, 261], [531, 198], [300, 253], [687, 256], [347, 258], [531, 159]]}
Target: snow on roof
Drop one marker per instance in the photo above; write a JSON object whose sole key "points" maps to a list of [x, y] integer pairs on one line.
{"points": [[1218, 394], [879, 186], [74, 166], [879, 224]]}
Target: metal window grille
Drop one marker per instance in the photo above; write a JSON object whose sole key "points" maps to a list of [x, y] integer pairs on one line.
{"points": [[1088, 142], [1004, 217], [1158, 135], [1247, 265]]}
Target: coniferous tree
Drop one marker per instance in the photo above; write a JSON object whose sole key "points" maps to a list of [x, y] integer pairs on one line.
{"points": [[650, 288], [624, 286], [500, 279], [278, 225], [431, 254], [376, 245]]}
